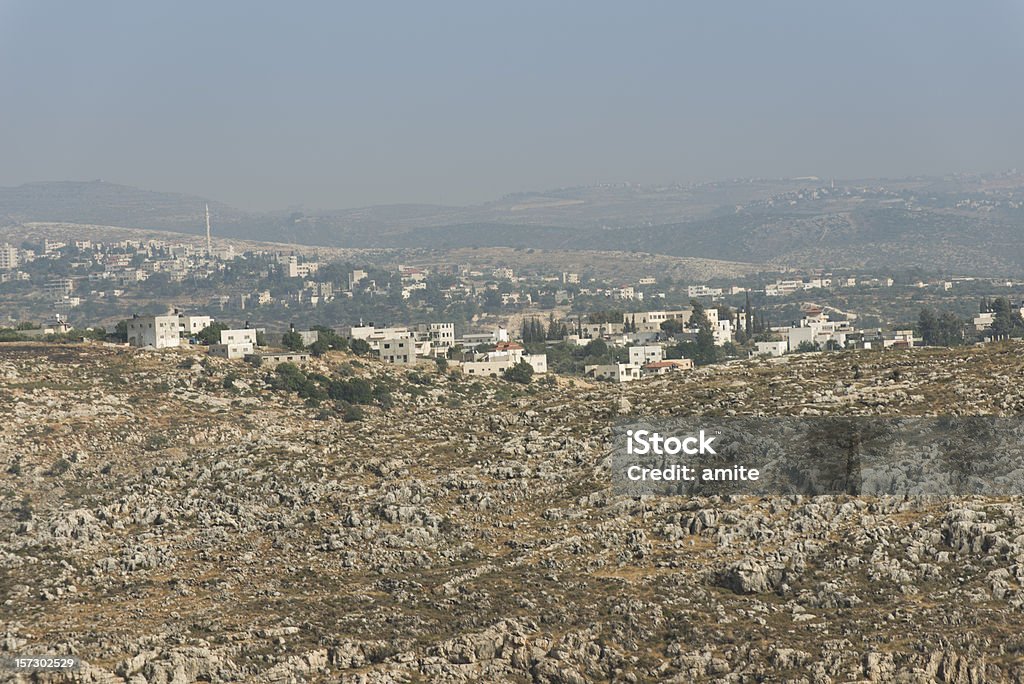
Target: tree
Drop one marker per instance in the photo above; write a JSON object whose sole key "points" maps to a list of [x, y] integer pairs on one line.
{"points": [[672, 326], [532, 331], [330, 339], [352, 414], [740, 333], [359, 347], [748, 317], [951, 329], [353, 391], [704, 350], [808, 346], [211, 333], [293, 341], [318, 348], [1006, 321], [522, 372], [928, 326], [553, 330], [943, 330], [596, 347]]}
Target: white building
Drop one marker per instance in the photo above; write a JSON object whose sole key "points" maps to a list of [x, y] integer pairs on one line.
{"points": [[440, 335], [667, 366], [238, 336], [650, 321], [983, 321], [538, 361], [274, 358], [8, 257], [703, 291], [498, 334], [293, 268], [159, 332], [485, 367], [625, 293], [374, 335], [643, 355], [190, 326], [773, 348], [235, 350], [616, 372], [505, 355], [816, 329], [902, 338], [721, 330], [781, 288], [398, 350]]}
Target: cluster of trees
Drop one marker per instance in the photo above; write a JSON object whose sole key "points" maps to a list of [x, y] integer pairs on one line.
{"points": [[701, 348], [522, 372], [533, 330], [570, 359], [1006, 321], [326, 340], [943, 329], [211, 333], [19, 334], [946, 329], [748, 323], [316, 388]]}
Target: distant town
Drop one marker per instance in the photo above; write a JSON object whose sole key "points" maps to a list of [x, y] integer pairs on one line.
{"points": [[268, 307]]}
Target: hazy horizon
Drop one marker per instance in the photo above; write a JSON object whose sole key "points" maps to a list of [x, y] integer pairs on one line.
{"points": [[330, 107]]}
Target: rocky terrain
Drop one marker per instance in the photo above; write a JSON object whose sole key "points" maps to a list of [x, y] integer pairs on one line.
{"points": [[167, 517]]}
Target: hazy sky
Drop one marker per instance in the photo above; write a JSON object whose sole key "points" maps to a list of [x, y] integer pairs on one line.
{"points": [[332, 105]]}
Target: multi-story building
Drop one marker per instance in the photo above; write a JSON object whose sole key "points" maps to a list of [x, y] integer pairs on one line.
{"points": [[8, 257], [59, 287], [470, 340], [703, 291], [374, 335], [441, 336], [355, 277], [190, 326], [499, 361], [238, 336], [397, 350], [645, 354], [159, 332]]}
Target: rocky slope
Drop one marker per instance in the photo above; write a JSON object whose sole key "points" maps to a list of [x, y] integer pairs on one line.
{"points": [[171, 518]]}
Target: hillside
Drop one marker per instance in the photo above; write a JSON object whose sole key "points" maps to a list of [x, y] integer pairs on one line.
{"points": [[166, 516], [963, 225]]}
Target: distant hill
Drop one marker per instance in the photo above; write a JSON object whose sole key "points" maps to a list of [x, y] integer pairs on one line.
{"points": [[959, 224], [103, 203]]}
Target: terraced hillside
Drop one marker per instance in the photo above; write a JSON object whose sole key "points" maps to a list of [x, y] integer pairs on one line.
{"points": [[170, 518]]}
